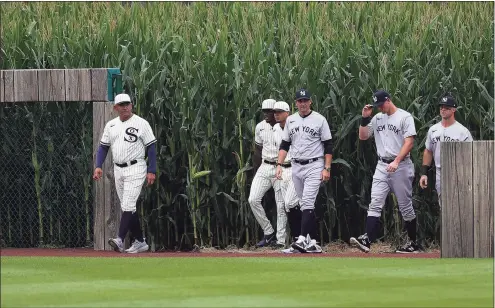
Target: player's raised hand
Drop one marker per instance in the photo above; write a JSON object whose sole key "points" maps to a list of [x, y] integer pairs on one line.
{"points": [[97, 174], [278, 173], [151, 178], [423, 181], [367, 111]]}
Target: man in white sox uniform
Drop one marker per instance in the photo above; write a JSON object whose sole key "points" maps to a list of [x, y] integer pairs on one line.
{"points": [[308, 138], [394, 132], [447, 130], [264, 178], [290, 209], [129, 136]]}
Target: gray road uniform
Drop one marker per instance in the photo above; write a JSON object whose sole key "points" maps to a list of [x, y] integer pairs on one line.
{"points": [[389, 133], [436, 134], [305, 135]]}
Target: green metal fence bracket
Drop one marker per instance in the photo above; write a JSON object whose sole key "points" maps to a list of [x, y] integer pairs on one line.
{"points": [[114, 83]]}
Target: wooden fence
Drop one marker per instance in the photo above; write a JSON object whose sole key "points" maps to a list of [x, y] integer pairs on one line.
{"points": [[97, 85], [467, 199]]}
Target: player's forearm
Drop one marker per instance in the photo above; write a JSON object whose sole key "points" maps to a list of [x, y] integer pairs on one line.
{"points": [[427, 157], [257, 157], [152, 158], [328, 160], [282, 154], [101, 155], [406, 148], [363, 133]]}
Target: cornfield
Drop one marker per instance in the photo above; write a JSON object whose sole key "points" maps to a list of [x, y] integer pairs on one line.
{"points": [[199, 71]]}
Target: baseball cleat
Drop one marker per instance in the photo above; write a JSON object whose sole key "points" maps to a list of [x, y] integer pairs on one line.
{"points": [[289, 250], [362, 242], [116, 244], [301, 243], [267, 239], [312, 247], [138, 247], [409, 247]]}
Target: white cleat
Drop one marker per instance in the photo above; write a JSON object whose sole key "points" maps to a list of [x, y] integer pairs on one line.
{"points": [[138, 247], [116, 244], [289, 250]]}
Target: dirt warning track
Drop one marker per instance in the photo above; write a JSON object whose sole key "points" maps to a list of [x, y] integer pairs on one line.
{"points": [[89, 252]]}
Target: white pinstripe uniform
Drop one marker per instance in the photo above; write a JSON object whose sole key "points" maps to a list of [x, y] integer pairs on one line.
{"points": [[265, 178], [128, 141], [287, 185]]}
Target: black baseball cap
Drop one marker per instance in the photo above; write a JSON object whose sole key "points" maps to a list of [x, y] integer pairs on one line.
{"points": [[380, 97], [448, 101], [303, 94]]}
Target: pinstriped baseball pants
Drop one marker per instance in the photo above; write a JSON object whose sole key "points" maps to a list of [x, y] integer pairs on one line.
{"points": [[128, 183], [263, 180]]}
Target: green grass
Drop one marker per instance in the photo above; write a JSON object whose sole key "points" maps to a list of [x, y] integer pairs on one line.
{"points": [[245, 282]]}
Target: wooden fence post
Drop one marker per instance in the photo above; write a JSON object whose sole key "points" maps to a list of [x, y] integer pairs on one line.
{"points": [[467, 199]]}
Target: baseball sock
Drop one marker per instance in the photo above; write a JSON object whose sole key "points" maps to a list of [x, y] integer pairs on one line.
{"points": [[308, 223], [294, 217], [136, 227], [125, 221], [371, 224], [411, 229]]}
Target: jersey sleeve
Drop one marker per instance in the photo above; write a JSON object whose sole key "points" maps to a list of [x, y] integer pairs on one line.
{"points": [[285, 132], [325, 133], [105, 138], [148, 136], [408, 128], [428, 144], [257, 136], [467, 136], [371, 125]]}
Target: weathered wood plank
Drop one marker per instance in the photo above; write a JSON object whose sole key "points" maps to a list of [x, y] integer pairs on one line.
{"points": [[77, 85], [51, 85], [483, 197], [107, 206], [99, 83], [457, 199], [7, 86], [99, 237], [2, 87], [26, 85]]}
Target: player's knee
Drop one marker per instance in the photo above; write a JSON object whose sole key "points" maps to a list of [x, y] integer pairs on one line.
{"points": [[252, 200], [375, 212], [408, 214], [128, 207], [305, 207]]}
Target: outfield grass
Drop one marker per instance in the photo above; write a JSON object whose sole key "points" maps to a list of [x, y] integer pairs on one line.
{"points": [[245, 282]]}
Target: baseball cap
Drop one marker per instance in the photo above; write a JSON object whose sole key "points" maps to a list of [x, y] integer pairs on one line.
{"points": [[268, 104], [448, 101], [303, 94], [122, 98], [380, 97], [281, 106]]}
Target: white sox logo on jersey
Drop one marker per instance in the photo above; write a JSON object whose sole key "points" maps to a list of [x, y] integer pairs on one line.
{"points": [[131, 133]]}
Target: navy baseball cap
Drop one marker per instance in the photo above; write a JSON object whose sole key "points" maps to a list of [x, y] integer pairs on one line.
{"points": [[303, 94], [448, 101], [380, 97]]}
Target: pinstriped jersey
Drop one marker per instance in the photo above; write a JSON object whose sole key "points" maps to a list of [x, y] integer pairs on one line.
{"points": [[437, 133], [278, 130], [264, 136], [129, 139], [306, 135], [390, 132]]}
